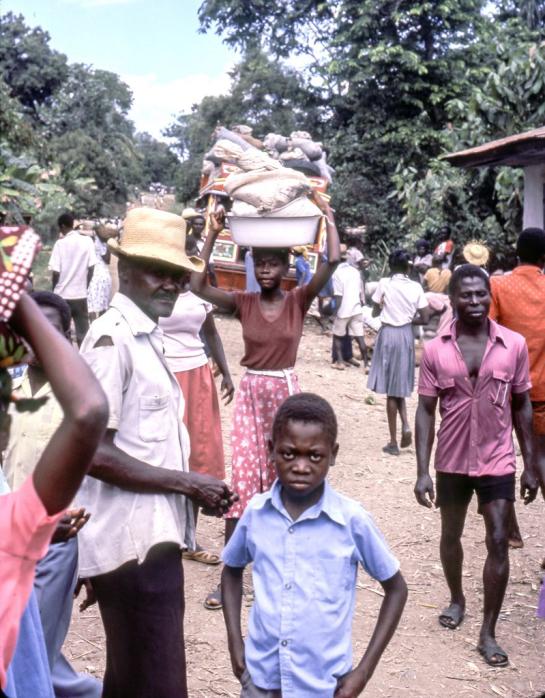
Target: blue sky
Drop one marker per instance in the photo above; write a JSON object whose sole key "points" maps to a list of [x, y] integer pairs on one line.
{"points": [[154, 45]]}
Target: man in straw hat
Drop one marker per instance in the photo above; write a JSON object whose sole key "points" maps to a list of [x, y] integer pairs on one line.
{"points": [[140, 487]]}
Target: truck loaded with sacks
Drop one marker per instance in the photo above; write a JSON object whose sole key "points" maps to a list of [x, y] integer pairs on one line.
{"points": [[266, 186]]}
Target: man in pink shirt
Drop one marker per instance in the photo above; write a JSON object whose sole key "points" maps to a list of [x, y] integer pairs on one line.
{"points": [[478, 371]]}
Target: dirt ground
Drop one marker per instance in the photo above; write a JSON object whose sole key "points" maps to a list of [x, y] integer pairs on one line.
{"points": [[423, 659]]}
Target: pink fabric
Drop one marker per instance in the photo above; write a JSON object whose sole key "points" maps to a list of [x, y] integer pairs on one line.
{"points": [[203, 421], [475, 436], [258, 398], [25, 532]]}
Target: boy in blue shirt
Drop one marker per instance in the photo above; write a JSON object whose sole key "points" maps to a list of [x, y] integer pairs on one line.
{"points": [[305, 541]]}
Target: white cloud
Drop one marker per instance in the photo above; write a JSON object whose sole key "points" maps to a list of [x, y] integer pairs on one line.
{"points": [[156, 102]]}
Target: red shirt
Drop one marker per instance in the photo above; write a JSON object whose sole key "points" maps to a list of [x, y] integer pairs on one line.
{"points": [[518, 302], [271, 345], [475, 436]]}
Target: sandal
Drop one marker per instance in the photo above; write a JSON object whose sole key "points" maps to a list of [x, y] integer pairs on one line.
{"points": [[493, 654], [406, 439], [202, 556], [452, 616], [391, 449], [213, 601]]}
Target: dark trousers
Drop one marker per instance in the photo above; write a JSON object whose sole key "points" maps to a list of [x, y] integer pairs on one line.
{"points": [[80, 316], [346, 348], [142, 609]]}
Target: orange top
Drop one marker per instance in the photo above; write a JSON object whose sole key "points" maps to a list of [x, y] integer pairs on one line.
{"points": [[518, 302]]}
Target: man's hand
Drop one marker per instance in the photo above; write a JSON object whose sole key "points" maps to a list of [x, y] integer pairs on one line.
{"points": [[350, 685], [227, 389], [529, 486], [70, 524], [423, 487], [90, 597], [211, 494]]}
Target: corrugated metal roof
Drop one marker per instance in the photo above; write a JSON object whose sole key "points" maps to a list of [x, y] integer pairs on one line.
{"points": [[516, 151]]}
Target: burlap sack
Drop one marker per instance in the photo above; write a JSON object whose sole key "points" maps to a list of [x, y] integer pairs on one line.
{"points": [[267, 190]]}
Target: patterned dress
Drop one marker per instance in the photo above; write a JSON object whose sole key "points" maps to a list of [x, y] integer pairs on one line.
{"points": [[270, 347], [100, 288]]}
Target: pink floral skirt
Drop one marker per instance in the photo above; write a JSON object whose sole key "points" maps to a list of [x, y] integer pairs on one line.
{"points": [[258, 398]]}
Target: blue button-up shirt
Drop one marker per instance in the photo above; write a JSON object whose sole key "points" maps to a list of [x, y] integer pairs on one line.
{"points": [[304, 575]]}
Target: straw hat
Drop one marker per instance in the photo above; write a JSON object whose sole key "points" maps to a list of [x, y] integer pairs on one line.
{"points": [[476, 253], [149, 233], [301, 249], [189, 213]]}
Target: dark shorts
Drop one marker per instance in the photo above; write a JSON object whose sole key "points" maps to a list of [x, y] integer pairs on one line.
{"points": [[452, 488]]}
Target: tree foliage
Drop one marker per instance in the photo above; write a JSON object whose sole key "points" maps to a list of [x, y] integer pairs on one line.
{"points": [[72, 119], [405, 81]]}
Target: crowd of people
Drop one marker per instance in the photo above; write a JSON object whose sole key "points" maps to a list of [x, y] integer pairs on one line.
{"points": [[113, 448]]}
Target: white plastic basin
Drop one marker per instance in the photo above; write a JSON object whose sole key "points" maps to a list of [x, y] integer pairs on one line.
{"points": [[273, 232]]}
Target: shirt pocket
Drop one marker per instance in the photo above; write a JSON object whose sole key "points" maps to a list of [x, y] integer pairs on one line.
{"points": [[331, 577], [445, 388], [153, 419], [500, 389]]}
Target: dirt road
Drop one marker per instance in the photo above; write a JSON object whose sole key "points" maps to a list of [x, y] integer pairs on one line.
{"points": [[423, 658]]}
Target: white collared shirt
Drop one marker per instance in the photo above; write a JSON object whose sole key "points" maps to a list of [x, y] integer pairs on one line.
{"points": [[146, 410], [71, 258], [400, 298], [348, 284]]}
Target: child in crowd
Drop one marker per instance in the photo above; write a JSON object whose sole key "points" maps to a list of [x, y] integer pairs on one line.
{"points": [[56, 575], [400, 303], [272, 325], [29, 516], [305, 542]]}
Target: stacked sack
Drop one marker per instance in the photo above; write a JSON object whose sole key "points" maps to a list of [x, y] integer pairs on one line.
{"points": [[264, 184]]}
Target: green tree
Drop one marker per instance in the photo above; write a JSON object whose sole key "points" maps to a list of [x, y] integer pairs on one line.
{"points": [[481, 203], [86, 130], [31, 69], [386, 72], [158, 163]]}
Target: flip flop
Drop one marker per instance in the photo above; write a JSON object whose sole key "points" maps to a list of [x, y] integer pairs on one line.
{"points": [[202, 556], [452, 616], [391, 450], [213, 601], [491, 650], [406, 439]]}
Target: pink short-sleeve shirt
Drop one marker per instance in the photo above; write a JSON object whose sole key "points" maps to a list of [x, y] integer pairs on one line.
{"points": [[475, 436], [25, 532]]}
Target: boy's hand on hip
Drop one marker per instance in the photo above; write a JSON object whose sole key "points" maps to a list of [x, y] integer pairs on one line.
{"points": [[350, 685]]}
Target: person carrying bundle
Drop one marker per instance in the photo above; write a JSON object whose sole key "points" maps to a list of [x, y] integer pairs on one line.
{"points": [[272, 325]]}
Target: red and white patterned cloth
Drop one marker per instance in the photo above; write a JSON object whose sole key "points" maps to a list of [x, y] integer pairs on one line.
{"points": [[258, 398]]}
